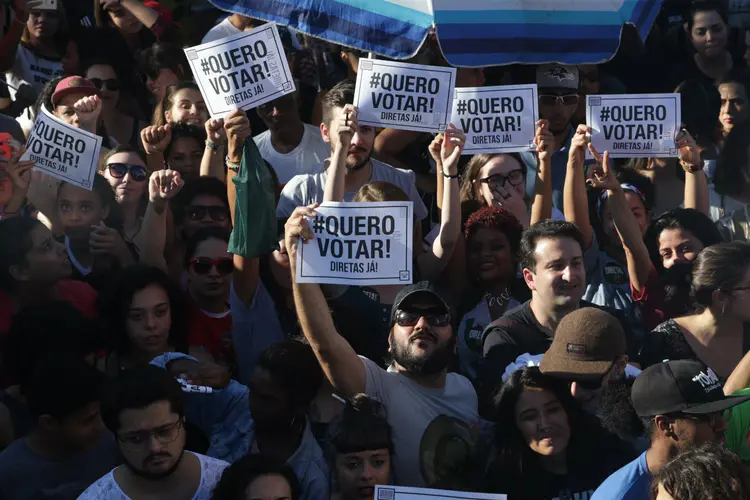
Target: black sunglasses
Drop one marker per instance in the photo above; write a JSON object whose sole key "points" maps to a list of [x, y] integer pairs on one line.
{"points": [[198, 212], [203, 265], [120, 170], [109, 84], [411, 318], [591, 384]]}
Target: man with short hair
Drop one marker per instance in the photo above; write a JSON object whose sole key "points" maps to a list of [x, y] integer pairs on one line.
{"points": [[360, 168], [681, 404], [559, 95], [428, 408], [67, 450], [289, 145], [144, 410], [552, 262]]}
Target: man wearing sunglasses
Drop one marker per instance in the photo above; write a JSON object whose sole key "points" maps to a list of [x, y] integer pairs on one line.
{"points": [[681, 405], [427, 406]]}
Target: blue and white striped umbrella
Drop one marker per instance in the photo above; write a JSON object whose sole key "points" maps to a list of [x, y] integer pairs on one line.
{"points": [[470, 32]]}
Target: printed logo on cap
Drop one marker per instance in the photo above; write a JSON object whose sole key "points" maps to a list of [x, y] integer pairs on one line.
{"points": [[708, 381], [560, 73], [576, 348]]}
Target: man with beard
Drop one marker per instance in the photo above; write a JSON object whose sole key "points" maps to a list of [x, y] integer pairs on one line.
{"points": [[427, 406], [352, 155], [289, 145], [558, 86], [144, 410], [589, 351], [681, 404]]}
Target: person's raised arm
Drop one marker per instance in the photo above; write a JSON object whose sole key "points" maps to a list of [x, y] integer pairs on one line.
{"points": [[145, 15], [740, 377], [346, 127], [20, 175], [636, 254], [575, 200], [541, 207], [431, 264], [434, 149], [339, 362], [9, 42], [696, 182], [155, 140], [212, 163], [162, 187]]}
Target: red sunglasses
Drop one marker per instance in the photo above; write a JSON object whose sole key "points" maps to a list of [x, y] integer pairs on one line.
{"points": [[203, 265]]}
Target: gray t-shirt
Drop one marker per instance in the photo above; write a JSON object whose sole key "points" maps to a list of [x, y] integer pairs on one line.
{"points": [[434, 430], [26, 475], [303, 190]]}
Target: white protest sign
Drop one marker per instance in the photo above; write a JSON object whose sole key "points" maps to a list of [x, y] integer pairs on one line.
{"points": [[634, 125], [404, 96], [359, 244], [63, 151], [241, 71], [404, 493], [496, 119]]}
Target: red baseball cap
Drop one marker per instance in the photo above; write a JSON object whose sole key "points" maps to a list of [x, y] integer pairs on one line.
{"points": [[73, 85]]}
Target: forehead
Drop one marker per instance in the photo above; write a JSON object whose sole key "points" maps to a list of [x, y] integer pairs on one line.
{"points": [[557, 248], [731, 89], [186, 144], [129, 158], [500, 164], [634, 200], [69, 192], [533, 397], [207, 200], [365, 455], [212, 247], [149, 297], [489, 234], [154, 415], [706, 18], [676, 236], [188, 95], [101, 71]]}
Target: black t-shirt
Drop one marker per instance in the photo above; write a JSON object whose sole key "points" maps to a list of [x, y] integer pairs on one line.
{"points": [[518, 332]]}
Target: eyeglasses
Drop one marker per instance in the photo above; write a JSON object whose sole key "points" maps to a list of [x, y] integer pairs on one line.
{"points": [[137, 440], [109, 84], [709, 418], [515, 177], [411, 318], [120, 170], [203, 265], [198, 212], [552, 99]]}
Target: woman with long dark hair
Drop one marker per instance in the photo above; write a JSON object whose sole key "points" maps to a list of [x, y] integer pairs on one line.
{"points": [[546, 447]]}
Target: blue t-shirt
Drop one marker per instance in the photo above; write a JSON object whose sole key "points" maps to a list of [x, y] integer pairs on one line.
{"points": [[629, 483]]}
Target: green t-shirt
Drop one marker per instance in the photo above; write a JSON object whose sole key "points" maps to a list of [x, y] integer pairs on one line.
{"points": [[738, 427]]}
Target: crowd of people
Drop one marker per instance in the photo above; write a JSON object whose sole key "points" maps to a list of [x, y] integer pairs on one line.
{"points": [[579, 327]]}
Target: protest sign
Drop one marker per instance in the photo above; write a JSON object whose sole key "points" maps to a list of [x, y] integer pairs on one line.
{"points": [[404, 493], [634, 125], [496, 119], [63, 151], [241, 71], [359, 244], [404, 96]]}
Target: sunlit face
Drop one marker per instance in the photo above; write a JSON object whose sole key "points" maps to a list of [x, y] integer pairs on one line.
{"points": [[734, 109], [65, 110], [123, 20], [699, 430], [105, 79], [561, 111], [363, 141], [46, 262], [709, 33], [79, 209], [503, 171], [214, 283], [188, 107], [637, 208], [423, 347], [542, 421], [163, 80], [185, 156], [268, 487], [205, 211], [127, 190], [490, 256], [43, 24], [151, 440], [149, 319], [558, 278], [359, 473], [678, 246]]}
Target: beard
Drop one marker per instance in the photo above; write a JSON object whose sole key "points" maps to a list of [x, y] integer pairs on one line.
{"points": [[616, 412], [151, 475], [360, 165], [429, 364]]}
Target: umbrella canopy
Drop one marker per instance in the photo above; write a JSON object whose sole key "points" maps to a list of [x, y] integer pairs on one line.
{"points": [[470, 32]]}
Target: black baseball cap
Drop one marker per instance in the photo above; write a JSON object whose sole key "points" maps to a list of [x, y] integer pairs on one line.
{"points": [[425, 290], [683, 386]]}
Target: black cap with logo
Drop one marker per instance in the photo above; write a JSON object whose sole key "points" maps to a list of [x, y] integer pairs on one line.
{"points": [[423, 289], [683, 386]]}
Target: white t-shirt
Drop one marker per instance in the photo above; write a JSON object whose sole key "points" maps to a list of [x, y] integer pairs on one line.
{"points": [[107, 488], [221, 30], [306, 158]]}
